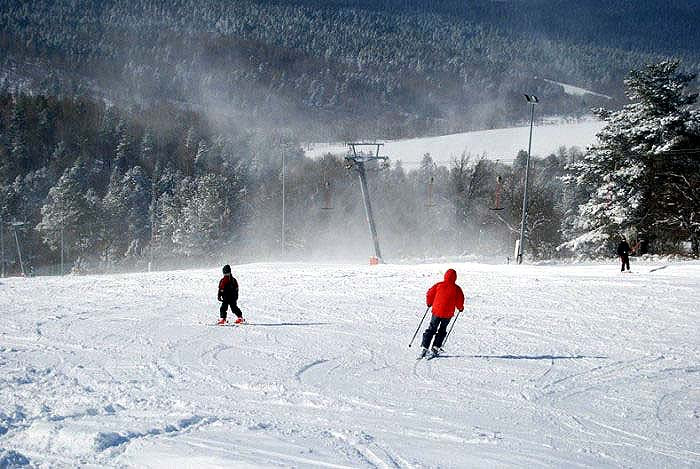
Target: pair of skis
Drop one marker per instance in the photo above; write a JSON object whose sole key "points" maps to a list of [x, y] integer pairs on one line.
{"points": [[429, 354], [229, 324]]}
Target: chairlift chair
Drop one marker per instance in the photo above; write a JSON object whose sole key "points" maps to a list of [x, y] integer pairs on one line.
{"points": [[429, 203], [327, 196], [497, 196]]}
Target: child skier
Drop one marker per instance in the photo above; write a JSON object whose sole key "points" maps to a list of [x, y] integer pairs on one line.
{"points": [[444, 297], [228, 295]]}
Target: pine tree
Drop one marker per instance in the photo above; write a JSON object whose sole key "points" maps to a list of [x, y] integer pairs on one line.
{"points": [[619, 172], [202, 164], [71, 207], [126, 211], [202, 215], [122, 152], [164, 210], [19, 153], [147, 157], [137, 200]]}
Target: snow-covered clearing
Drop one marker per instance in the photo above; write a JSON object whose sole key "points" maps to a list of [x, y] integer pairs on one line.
{"points": [[575, 90], [548, 366], [496, 144]]}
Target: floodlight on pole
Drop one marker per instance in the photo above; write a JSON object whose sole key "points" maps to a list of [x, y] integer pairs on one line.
{"points": [[532, 99]]}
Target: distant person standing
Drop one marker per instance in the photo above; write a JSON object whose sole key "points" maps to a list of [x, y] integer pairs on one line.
{"points": [[623, 252], [228, 295], [444, 297]]}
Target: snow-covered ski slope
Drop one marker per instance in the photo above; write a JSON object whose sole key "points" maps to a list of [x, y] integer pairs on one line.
{"points": [[549, 366], [496, 144]]}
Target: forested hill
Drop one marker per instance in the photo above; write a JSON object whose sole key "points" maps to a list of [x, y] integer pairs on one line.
{"points": [[332, 69]]}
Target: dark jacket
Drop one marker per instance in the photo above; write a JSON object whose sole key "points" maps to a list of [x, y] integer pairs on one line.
{"points": [[228, 289], [445, 296], [623, 249]]}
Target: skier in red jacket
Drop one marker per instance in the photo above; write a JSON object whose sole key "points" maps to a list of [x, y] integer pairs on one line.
{"points": [[228, 295], [444, 297]]}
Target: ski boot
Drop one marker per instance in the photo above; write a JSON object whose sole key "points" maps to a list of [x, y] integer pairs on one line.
{"points": [[423, 353], [239, 321], [435, 352], [222, 322]]}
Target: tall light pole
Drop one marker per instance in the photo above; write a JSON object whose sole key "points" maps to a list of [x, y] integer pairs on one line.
{"points": [[62, 251], [2, 248], [284, 196], [532, 99]]}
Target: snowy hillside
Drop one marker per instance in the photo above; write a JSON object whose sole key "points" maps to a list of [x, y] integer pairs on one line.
{"points": [[549, 366], [502, 144]]}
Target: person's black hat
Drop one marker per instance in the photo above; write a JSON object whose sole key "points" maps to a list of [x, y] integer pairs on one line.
{"points": [[227, 269]]}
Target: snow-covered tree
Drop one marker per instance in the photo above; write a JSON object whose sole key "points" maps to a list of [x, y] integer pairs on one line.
{"points": [[126, 211], [619, 172], [678, 205], [70, 208], [19, 153], [203, 205], [147, 150], [205, 160], [121, 154], [164, 210]]}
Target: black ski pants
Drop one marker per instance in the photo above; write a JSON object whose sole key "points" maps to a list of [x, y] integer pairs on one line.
{"points": [[625, 258], [234, 309], [437, 328]]}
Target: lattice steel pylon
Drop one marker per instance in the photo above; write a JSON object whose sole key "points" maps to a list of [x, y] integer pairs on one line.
{"points": [[357, 161]]}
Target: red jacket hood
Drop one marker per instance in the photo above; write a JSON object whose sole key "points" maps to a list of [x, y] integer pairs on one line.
{"points": [[451, 276], [445, 296]]}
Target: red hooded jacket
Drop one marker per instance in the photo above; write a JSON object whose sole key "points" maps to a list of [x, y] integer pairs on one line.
{"points": [[445, 296]]}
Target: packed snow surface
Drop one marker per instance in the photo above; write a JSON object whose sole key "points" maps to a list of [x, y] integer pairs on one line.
{"points": [[496, 144], [548, 366]]}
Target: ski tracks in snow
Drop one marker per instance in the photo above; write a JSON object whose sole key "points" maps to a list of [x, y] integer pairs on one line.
{"points": [[549, 366]]}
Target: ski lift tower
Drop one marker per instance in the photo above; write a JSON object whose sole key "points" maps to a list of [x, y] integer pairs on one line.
{"points": [[357, 159], [17, 224], [519, 246]]}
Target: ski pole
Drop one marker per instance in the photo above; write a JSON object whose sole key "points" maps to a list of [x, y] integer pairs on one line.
{"points": [[419, 324], [451, 327]]}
